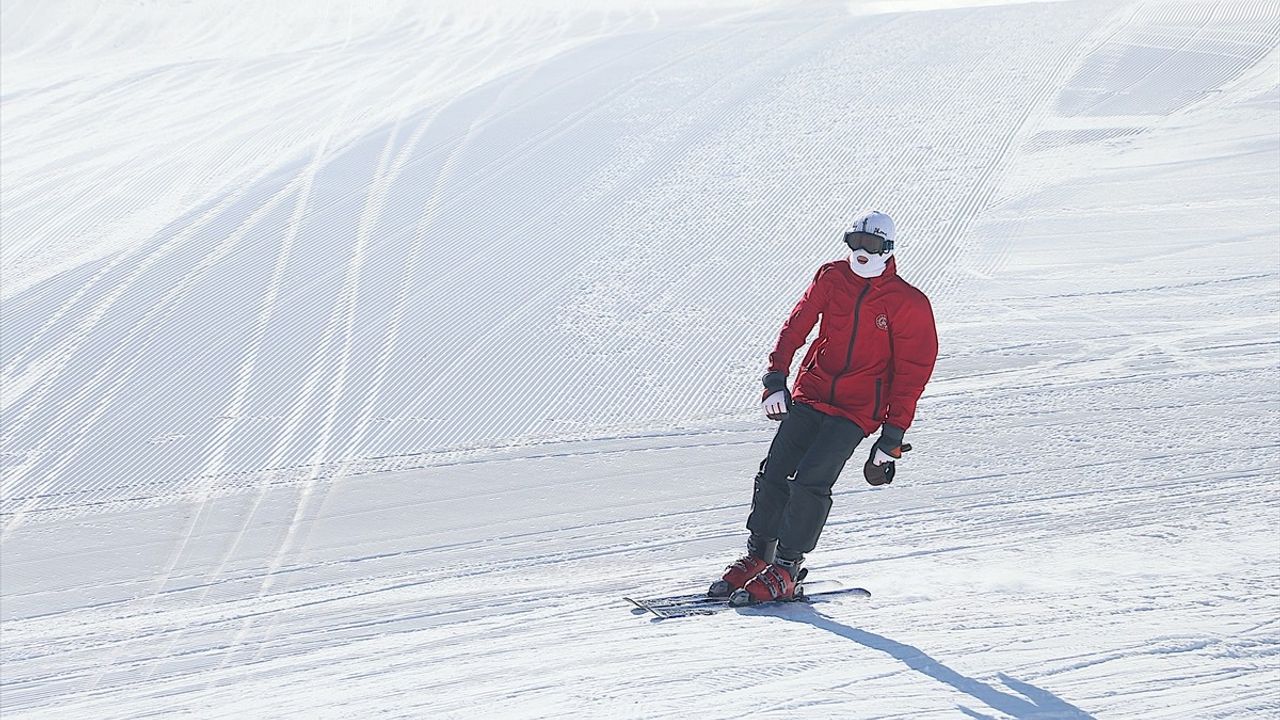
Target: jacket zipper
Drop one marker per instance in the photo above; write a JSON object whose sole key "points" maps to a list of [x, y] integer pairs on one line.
{"points": [[876, 410], [853, 336]]}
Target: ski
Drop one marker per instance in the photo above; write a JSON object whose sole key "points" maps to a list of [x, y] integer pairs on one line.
{"points": [[678, 606], [811, 587]]}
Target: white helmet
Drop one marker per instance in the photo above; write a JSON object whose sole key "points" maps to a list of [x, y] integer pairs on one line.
{"points": [[875, 223], [870, 240]]}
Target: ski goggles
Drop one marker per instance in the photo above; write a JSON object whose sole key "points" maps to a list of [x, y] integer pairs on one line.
{"points": [[870, 242]]}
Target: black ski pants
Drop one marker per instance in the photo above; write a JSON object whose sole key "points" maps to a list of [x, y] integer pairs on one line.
{"points": [[813, 447]]}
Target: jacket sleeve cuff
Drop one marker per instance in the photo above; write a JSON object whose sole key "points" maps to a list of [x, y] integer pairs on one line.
{"points": [[891, 436]]}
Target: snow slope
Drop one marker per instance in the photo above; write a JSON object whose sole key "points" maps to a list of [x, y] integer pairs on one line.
{"points": [[356, 360]]}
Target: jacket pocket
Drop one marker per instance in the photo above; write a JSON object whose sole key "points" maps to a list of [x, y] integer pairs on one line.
{"points": [[877, 411], [815, 352]]}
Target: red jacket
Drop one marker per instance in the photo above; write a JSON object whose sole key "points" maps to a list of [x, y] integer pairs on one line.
{"points": [[874, 352]]}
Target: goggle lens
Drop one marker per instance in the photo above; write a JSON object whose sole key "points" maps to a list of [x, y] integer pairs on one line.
{"points": [[870, 242]]}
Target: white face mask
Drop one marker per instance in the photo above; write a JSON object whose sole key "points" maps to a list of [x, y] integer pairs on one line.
{"points": [[872, 267]]}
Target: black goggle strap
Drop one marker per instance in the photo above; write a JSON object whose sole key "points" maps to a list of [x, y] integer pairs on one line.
{"points": [[870, 242]]}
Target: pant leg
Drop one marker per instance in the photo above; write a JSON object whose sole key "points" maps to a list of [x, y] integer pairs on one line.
{"points": [[810, 499], [772, 489]]}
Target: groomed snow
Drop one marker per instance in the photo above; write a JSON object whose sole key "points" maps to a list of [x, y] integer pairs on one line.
{"points": [[356, 359]]}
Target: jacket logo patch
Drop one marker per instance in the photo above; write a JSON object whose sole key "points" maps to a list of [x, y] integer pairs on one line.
{"points": [[882, 321]]}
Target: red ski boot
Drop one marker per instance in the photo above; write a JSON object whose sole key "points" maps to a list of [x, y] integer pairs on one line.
{"points": [[777, 582], [737, 575]]}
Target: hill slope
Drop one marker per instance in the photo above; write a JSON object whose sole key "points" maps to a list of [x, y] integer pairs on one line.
{"points": [[335, 389]]}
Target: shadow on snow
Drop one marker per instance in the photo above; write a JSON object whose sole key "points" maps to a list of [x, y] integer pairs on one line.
{"points": [[1031, 702]]}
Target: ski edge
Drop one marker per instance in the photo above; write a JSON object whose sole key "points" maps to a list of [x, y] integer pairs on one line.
{"points": [[711, 605]]}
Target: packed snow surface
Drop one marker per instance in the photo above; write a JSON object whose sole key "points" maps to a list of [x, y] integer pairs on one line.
{"points": [[357, 358]]}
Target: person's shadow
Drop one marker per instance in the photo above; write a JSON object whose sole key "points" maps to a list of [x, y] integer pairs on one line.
{"points": [[1031, 702]]}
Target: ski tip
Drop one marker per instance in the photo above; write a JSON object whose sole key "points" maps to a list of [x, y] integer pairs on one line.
{"points": [[642, 607]]}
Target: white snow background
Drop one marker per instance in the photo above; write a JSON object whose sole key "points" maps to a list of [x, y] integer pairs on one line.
{"points": [[357, 358]]}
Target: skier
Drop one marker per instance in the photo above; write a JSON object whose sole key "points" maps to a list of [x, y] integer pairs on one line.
{"points": [[874, 353]]}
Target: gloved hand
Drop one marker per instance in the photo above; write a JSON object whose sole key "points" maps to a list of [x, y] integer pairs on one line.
{"points": [[776, 399], [879, 469]]}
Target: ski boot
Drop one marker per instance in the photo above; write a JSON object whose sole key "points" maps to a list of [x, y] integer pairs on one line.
{"points": [[779, 582], [760, 552], [737, 575]]}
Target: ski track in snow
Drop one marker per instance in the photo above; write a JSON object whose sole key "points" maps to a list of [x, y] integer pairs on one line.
{"points": [[381, 409]]}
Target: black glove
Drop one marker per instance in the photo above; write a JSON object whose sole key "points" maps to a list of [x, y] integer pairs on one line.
{"points": [[879, 469], [775, 406]]}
